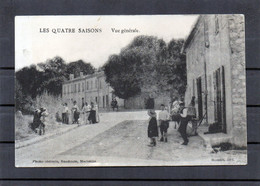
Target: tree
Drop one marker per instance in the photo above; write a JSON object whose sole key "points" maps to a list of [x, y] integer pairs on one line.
{"points": [[30, 80], [79, 66], [147, 65], [125, 84], [22, 102], [48, 76], [172, 69]]}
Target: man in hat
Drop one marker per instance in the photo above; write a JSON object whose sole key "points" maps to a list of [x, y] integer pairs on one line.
{"points": [[163, 118]]}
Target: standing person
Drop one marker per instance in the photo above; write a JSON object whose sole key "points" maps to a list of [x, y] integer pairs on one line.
{"points": [[65, 113], [36, 120], [150, 102], [191, 112], [84, 113], [163, 122], [44, 114], [152, 128], [83, 103], [92, 114], [183, 124], [71, 113], [75, 111], [88, 108], [114, 104], [97, 114], [175, 107]]}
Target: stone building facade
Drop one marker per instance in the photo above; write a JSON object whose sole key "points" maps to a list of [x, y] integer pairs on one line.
{"points": [[215, 57], [89, 88]]}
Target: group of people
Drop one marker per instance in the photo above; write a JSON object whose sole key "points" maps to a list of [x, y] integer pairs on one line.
{"points": [[39, 117], [178, 113], [88, 113], [114, 104]]}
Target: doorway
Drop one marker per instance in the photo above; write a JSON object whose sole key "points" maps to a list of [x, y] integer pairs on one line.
{"points": [[199, 93], [219, 98]]}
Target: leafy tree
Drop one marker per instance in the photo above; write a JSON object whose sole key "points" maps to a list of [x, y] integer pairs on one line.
{"points": [[45, 77], [22, 102], [79, 66], [30, 80], [172, 69], [147, 65]]}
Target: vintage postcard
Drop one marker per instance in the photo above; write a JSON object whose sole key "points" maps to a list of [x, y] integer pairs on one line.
{"points": [[136, 90]]}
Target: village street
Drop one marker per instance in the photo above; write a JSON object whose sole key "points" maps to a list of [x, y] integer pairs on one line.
{"points": [[120, 139]]}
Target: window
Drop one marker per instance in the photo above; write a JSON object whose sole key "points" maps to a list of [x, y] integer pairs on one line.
{"points": [[91, 84], [216, 24], [83, 86], [79, 87], [193, 87], [68, 89], [64, 90], [71, 88], [75, 87], [87, 85], [206, 33], [100, 84]]}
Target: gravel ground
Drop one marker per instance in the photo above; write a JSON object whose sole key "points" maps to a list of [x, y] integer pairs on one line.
{"points": [[121, 140]]}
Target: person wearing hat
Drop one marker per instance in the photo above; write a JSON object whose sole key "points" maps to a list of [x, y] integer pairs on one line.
{"points": [[163, 118], [152, 128]]}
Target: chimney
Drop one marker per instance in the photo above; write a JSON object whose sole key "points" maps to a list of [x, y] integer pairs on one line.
{"points": [[81, 74], [71, 76]]}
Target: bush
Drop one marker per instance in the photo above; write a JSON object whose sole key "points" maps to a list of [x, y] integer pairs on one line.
{"points": [[53, 104]]}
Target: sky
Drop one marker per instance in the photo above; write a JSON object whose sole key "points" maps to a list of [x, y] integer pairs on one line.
{"points": [[36, 37]]}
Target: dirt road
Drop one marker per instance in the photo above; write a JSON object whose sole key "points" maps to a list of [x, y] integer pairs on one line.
{"points": [[120, 140]]}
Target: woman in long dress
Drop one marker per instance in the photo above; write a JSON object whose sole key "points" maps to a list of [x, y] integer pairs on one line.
{"points": [[152, 128], [75, 111], [97, 113], [92, 115]]}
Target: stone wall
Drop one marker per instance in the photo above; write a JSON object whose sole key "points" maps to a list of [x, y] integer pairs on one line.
{"points": [[237, 45], [138, 102]]}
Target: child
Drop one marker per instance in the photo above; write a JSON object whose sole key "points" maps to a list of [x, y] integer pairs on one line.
{"points": [[163, 122], [152, 128]]}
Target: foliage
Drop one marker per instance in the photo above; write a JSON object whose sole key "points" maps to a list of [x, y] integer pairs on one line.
{"points": [[53, 105], [147, 65], [47, 77], [23, 101], [79, 66]]}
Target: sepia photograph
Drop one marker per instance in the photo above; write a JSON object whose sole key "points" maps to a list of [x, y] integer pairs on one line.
{"points": [[130, 90]]}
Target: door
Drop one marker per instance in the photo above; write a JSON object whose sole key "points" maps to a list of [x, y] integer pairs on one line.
{"points": [[199, 92], [219, 99], [107, 101]]}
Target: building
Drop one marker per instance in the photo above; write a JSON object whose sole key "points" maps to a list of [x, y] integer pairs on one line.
{"points": [[215, 57], [89, 88]]}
